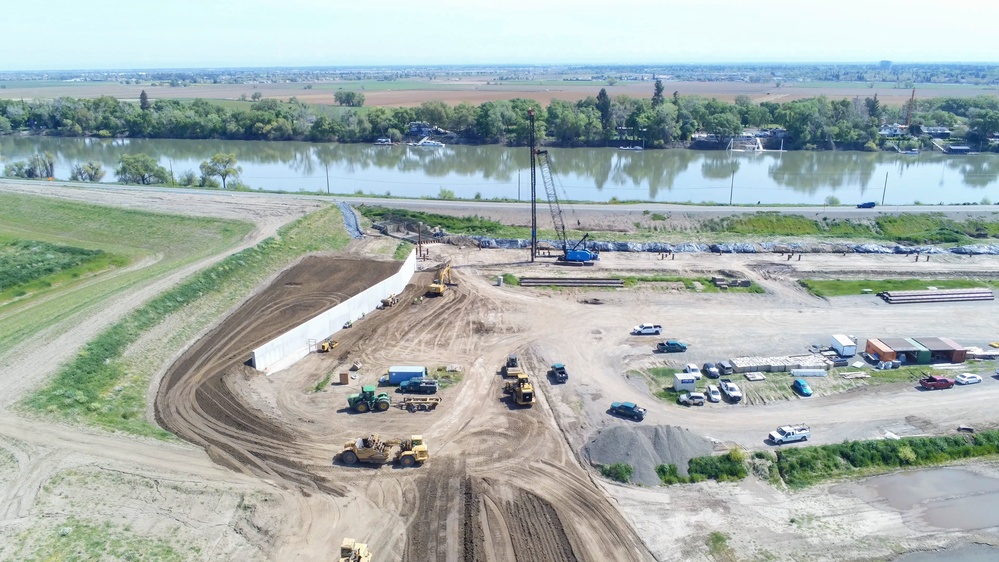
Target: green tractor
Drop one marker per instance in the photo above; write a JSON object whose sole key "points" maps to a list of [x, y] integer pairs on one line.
{"points": [[368, 400]]}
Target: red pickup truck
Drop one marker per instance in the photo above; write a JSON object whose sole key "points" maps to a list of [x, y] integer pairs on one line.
{"points": [[933, 383]]}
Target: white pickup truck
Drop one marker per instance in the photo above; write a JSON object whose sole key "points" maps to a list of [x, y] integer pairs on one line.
{"points": [[790, 434], [730, 390], [647, 330]]}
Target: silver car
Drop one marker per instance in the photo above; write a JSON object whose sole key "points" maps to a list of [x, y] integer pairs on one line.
{"points": [[712, 393]]}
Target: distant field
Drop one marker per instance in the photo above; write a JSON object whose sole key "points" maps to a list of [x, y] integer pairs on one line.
{"points": [[407, 93]]}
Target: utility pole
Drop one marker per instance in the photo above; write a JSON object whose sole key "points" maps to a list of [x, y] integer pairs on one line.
{"points": [[883, 191], [327, 178], [534, 193]]}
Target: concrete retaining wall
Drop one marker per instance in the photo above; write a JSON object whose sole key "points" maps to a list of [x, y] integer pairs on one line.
{"points": [[286, 349]]}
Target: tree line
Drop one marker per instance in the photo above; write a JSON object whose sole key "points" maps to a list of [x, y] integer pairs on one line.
{"points": [[136, 169], [658, 121]]}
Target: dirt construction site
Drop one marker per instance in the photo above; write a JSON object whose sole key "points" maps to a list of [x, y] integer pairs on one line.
{"points": [[505, 482]]}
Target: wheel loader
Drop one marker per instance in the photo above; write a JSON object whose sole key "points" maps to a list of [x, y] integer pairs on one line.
{"points": [[372, 450], [327, 345], [353, 551], [521, 389], [369, 399]]}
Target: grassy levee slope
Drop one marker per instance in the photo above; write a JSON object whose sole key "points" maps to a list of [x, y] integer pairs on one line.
{"points": [[105, 384], [161, 242]]}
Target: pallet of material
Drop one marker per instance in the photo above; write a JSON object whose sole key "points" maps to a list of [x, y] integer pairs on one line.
{"points": [[937, 295], [755, 376], [570, 282], [856, 375], [778, 364]]}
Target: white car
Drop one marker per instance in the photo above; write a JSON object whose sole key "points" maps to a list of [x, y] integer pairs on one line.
{"points": [[693, 369], [731, 390], [967, 378], [647, 330], [712, 393]]}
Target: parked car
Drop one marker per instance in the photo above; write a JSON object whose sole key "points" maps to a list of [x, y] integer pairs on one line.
{"points": [[936, 383], [801, 387], [419, 386], [711, 371], [628, 410], [712, 392], [731, 391], [671, 346], [790, 434], [692, 399], [647, 330], [692, 369], [725, 367], [967, 378]]}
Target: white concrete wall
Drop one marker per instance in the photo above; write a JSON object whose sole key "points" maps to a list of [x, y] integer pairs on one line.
{"points": [[286, 349]]}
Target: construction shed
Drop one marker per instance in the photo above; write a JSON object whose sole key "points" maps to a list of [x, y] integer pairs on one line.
{"points": [[878, 349], [943, 349], [913, 352]]}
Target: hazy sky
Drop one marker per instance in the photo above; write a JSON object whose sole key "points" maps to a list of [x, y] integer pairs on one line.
{"points": [[103, 34]]}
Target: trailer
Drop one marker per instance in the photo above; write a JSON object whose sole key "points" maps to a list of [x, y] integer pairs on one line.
{"points": [[844, 345], [400, 373], [420, 404]]}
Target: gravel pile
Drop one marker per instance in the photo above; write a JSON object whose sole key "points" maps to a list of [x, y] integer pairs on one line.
{"points": [[645, 447]]}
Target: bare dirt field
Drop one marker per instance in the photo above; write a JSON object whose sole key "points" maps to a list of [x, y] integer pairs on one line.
{"points": [[477, 91], [502, 483]]}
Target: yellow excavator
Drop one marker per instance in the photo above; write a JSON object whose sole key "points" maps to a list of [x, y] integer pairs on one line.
{"points": [[443, 279]]}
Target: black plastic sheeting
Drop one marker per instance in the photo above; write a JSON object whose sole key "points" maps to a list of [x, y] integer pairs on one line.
{"points": [[748, 247], [350, 220]]}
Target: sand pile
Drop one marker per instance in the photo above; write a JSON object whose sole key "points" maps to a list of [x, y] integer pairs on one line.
{"points": [[645, 447]]}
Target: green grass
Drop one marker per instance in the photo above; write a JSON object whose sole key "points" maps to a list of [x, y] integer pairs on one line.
{"points": [[322, 383], [444, 378], [99, 387], [688, 283], [402, 251], [511, 279], [842, 287], [29, 266], [729, 467], [804, 466], [73, 540], [776, 224], [167, 242]]}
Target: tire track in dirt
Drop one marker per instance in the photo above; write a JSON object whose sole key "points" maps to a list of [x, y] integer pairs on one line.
{"points": [[195, 402]]}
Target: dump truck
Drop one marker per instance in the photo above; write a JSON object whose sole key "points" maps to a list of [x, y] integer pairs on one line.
{"points": [[521, 389], [369, 399], [353, 551], [512, 368], [373, 450]]}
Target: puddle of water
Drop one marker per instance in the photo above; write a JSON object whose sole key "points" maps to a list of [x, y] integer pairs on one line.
{"points": [[973, 553], [947, 498]]}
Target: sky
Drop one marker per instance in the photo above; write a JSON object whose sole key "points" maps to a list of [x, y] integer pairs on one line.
{"points": [[147, 34]]}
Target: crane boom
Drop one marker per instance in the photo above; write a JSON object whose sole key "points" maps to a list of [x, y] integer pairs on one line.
{"points": [[553, 203]]}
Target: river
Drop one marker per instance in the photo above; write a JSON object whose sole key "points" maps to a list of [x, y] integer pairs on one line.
{"points": [[580, 174]]}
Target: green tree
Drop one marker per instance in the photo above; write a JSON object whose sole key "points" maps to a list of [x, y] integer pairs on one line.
{"points": [[91, 171], [604, 107], [657, 94], [725, 125], [144, 104], [257, 96], [140, 169], [221, 165]]}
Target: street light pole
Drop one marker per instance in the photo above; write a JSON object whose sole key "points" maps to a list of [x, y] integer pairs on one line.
{"points": [[731, 189], [883, 191]]}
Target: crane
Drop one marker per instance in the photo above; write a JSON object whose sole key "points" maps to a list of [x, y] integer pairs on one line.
{"points": [[443, 279], [570, 254]]}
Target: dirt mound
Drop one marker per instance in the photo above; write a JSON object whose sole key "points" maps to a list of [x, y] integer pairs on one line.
{"points": [[646, 447]]}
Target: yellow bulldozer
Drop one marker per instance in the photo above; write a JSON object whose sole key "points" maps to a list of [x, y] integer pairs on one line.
{"points": [[372, 450], [353, 551], [520, 389], [442, 281], [326, 346]]}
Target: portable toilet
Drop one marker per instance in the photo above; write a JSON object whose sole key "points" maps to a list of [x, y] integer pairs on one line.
{"points": [[684, 382]]}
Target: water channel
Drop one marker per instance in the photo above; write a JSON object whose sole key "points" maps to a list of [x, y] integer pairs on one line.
{"points": [[581, 174]]}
